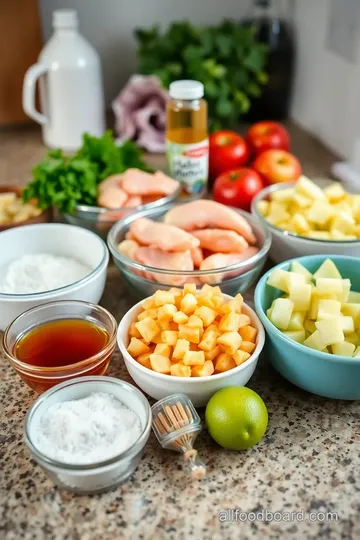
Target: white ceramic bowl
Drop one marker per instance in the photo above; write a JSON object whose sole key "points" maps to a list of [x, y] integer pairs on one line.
{"points": [[199, 389], [287, 245], [57, 239]]}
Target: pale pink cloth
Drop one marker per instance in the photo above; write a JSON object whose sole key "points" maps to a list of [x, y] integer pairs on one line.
{"points": [[140, 113]]}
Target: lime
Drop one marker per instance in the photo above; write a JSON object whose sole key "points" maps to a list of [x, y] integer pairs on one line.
{"points": [[236, 417]]}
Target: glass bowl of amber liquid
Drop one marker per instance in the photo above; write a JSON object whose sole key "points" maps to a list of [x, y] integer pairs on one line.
{"points": [[58, 341]]}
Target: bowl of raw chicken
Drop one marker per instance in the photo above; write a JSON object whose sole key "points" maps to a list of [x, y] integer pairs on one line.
{"points": [[197, 242], [121, 195]]}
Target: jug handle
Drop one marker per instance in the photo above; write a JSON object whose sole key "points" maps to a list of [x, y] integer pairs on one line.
{"points": [[28, 97]]}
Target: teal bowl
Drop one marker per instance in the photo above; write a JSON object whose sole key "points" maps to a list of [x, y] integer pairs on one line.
{"points": [[324, 374]]}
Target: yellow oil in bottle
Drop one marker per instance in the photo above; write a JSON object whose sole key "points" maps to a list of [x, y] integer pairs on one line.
{"points": [[187, 144]]}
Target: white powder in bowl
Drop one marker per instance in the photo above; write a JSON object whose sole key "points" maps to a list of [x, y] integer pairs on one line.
{"points": [[40, 273], [87, 430]]}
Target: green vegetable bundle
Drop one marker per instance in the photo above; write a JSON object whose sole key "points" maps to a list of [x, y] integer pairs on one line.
{"points": [[226, 58], [64, 182]]}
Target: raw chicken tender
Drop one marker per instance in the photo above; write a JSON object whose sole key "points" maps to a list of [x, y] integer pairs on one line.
{"points": [[197, 256], [162, 236], [222, 260], [128, 248], [111, 181], [112, 197], [221, 240], [204, 213], [136, 182], [168, 261], [133, 201]]}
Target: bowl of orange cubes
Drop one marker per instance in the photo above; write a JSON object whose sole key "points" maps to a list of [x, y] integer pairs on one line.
{"points": [[190, 340]]}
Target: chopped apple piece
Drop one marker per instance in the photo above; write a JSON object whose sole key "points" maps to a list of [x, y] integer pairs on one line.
{"points": [[314, 341], [356, 352], [263, 207], [353, 338], [300, 295], [329, 286], [299, 223], [334, 192], [354, 297], [296, 335], [327, 270], [343, 349], [307, 188], [320, 212], [309, 326], [328, 309], [347, 324], [352, 310], [330, 331], [279, 279], [300, 269], [281, 313]]}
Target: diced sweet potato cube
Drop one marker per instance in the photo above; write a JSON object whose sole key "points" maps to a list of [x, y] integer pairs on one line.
{"points": [[149, 303], [169, 337], [248, 333], [144, 360], [247, 346], [179, 370], [212, 328], [224, 362], [216, 291], [160, 363], [189, 288], [188, 304], [176, 292], [207, 289], [244, 320], [233, 305], [182, 346], [240, 357], [206, 314], [231, 340], [191, 334], [157, 339], [166, 312], [143, 314], [205, 300], [173, 326], [163, 349], [180, 317], [133, 331], [208, 341], [136, 347], [210, 355], [148, 328], [195, 322], [194, 358], [164, 297], [204, 370], [229, 322], [164, 324], [218, 301]]}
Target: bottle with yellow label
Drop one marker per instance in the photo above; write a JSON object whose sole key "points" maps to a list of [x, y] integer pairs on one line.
{"points": [[187, 143]]}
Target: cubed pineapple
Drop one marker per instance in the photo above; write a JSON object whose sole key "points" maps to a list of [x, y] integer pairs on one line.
{"points": [[300, 269], [296, 321], [166, 312], [294, 279], [163, 349], [210, 355], [314, 341], [347, 324], [279, 279], [338, 235], [334, 192], [170, 337], [299, 223], [344, 296], [327, 270], [248, 333], [344, 223], [182, 346], [330, 331], [195, 322], [231, 340], [309, 326], [329, 286], [179, 370], [229, 322], [133, 331], [356, 352], [208, 341], [352, 310], [354, 297], [328, 309], [240, 357], [296, 335], [263, 207], [224, 362], [136, 347], [144, 360], [206, 314], [306, 187], [189, 288], [164, 297], [148, 328], [320, 213], [191, 334], [204, 370], [343, 349], [283, 195], [277, 213], [300, 295], [281, 313], [302, 201], [160, 363], [353, 338], [188, 304], [319, 235], [194, 358], [247, 346]]}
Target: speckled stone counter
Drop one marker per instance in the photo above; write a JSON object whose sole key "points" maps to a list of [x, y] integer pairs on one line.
{"points": [[308, 462]]}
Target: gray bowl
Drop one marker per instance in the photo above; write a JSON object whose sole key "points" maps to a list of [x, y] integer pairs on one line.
{"points": [[243, 274]]}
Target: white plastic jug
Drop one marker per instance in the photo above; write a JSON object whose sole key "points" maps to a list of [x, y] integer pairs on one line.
{"points": [[71, 89]]}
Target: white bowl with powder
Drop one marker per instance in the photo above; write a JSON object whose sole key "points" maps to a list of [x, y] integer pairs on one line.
{"points": [[47, 262], [89, 433]]}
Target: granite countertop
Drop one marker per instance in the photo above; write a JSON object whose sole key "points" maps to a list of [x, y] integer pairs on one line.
{"points": [[308, 462]]}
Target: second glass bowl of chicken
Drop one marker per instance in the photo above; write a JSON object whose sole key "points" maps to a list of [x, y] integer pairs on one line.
{"points": [[166, 270]]}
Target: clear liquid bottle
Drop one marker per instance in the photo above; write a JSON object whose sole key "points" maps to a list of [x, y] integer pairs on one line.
{"points": [[187, 143]]}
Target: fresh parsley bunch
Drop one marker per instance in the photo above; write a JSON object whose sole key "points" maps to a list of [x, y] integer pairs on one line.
{"points": [[226, 58], [66, 181]]}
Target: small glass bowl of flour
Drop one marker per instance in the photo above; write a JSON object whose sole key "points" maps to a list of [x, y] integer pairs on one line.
{"points": [[88, 434]]}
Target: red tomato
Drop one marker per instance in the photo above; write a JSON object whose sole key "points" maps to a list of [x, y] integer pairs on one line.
{"points": [[237, 187], [227, 150], [265, 135]]}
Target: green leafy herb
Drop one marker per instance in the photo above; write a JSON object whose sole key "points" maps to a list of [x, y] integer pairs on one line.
{"points": [[226, 58], [64, 182]]}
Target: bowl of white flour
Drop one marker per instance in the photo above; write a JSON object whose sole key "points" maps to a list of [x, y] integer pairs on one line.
{"points": [[47, 262]]}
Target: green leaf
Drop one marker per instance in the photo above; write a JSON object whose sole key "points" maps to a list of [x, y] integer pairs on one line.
{"points": [[224, 108]]}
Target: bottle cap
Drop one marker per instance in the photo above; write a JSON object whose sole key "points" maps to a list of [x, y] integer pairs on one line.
{"points": [[186, 90], [65, 18]]}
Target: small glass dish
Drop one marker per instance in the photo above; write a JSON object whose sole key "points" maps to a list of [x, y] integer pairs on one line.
{"points": [[94, 477], [41, 378]]}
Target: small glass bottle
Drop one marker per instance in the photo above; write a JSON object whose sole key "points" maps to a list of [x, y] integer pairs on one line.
{"points": [[187, 143]]}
